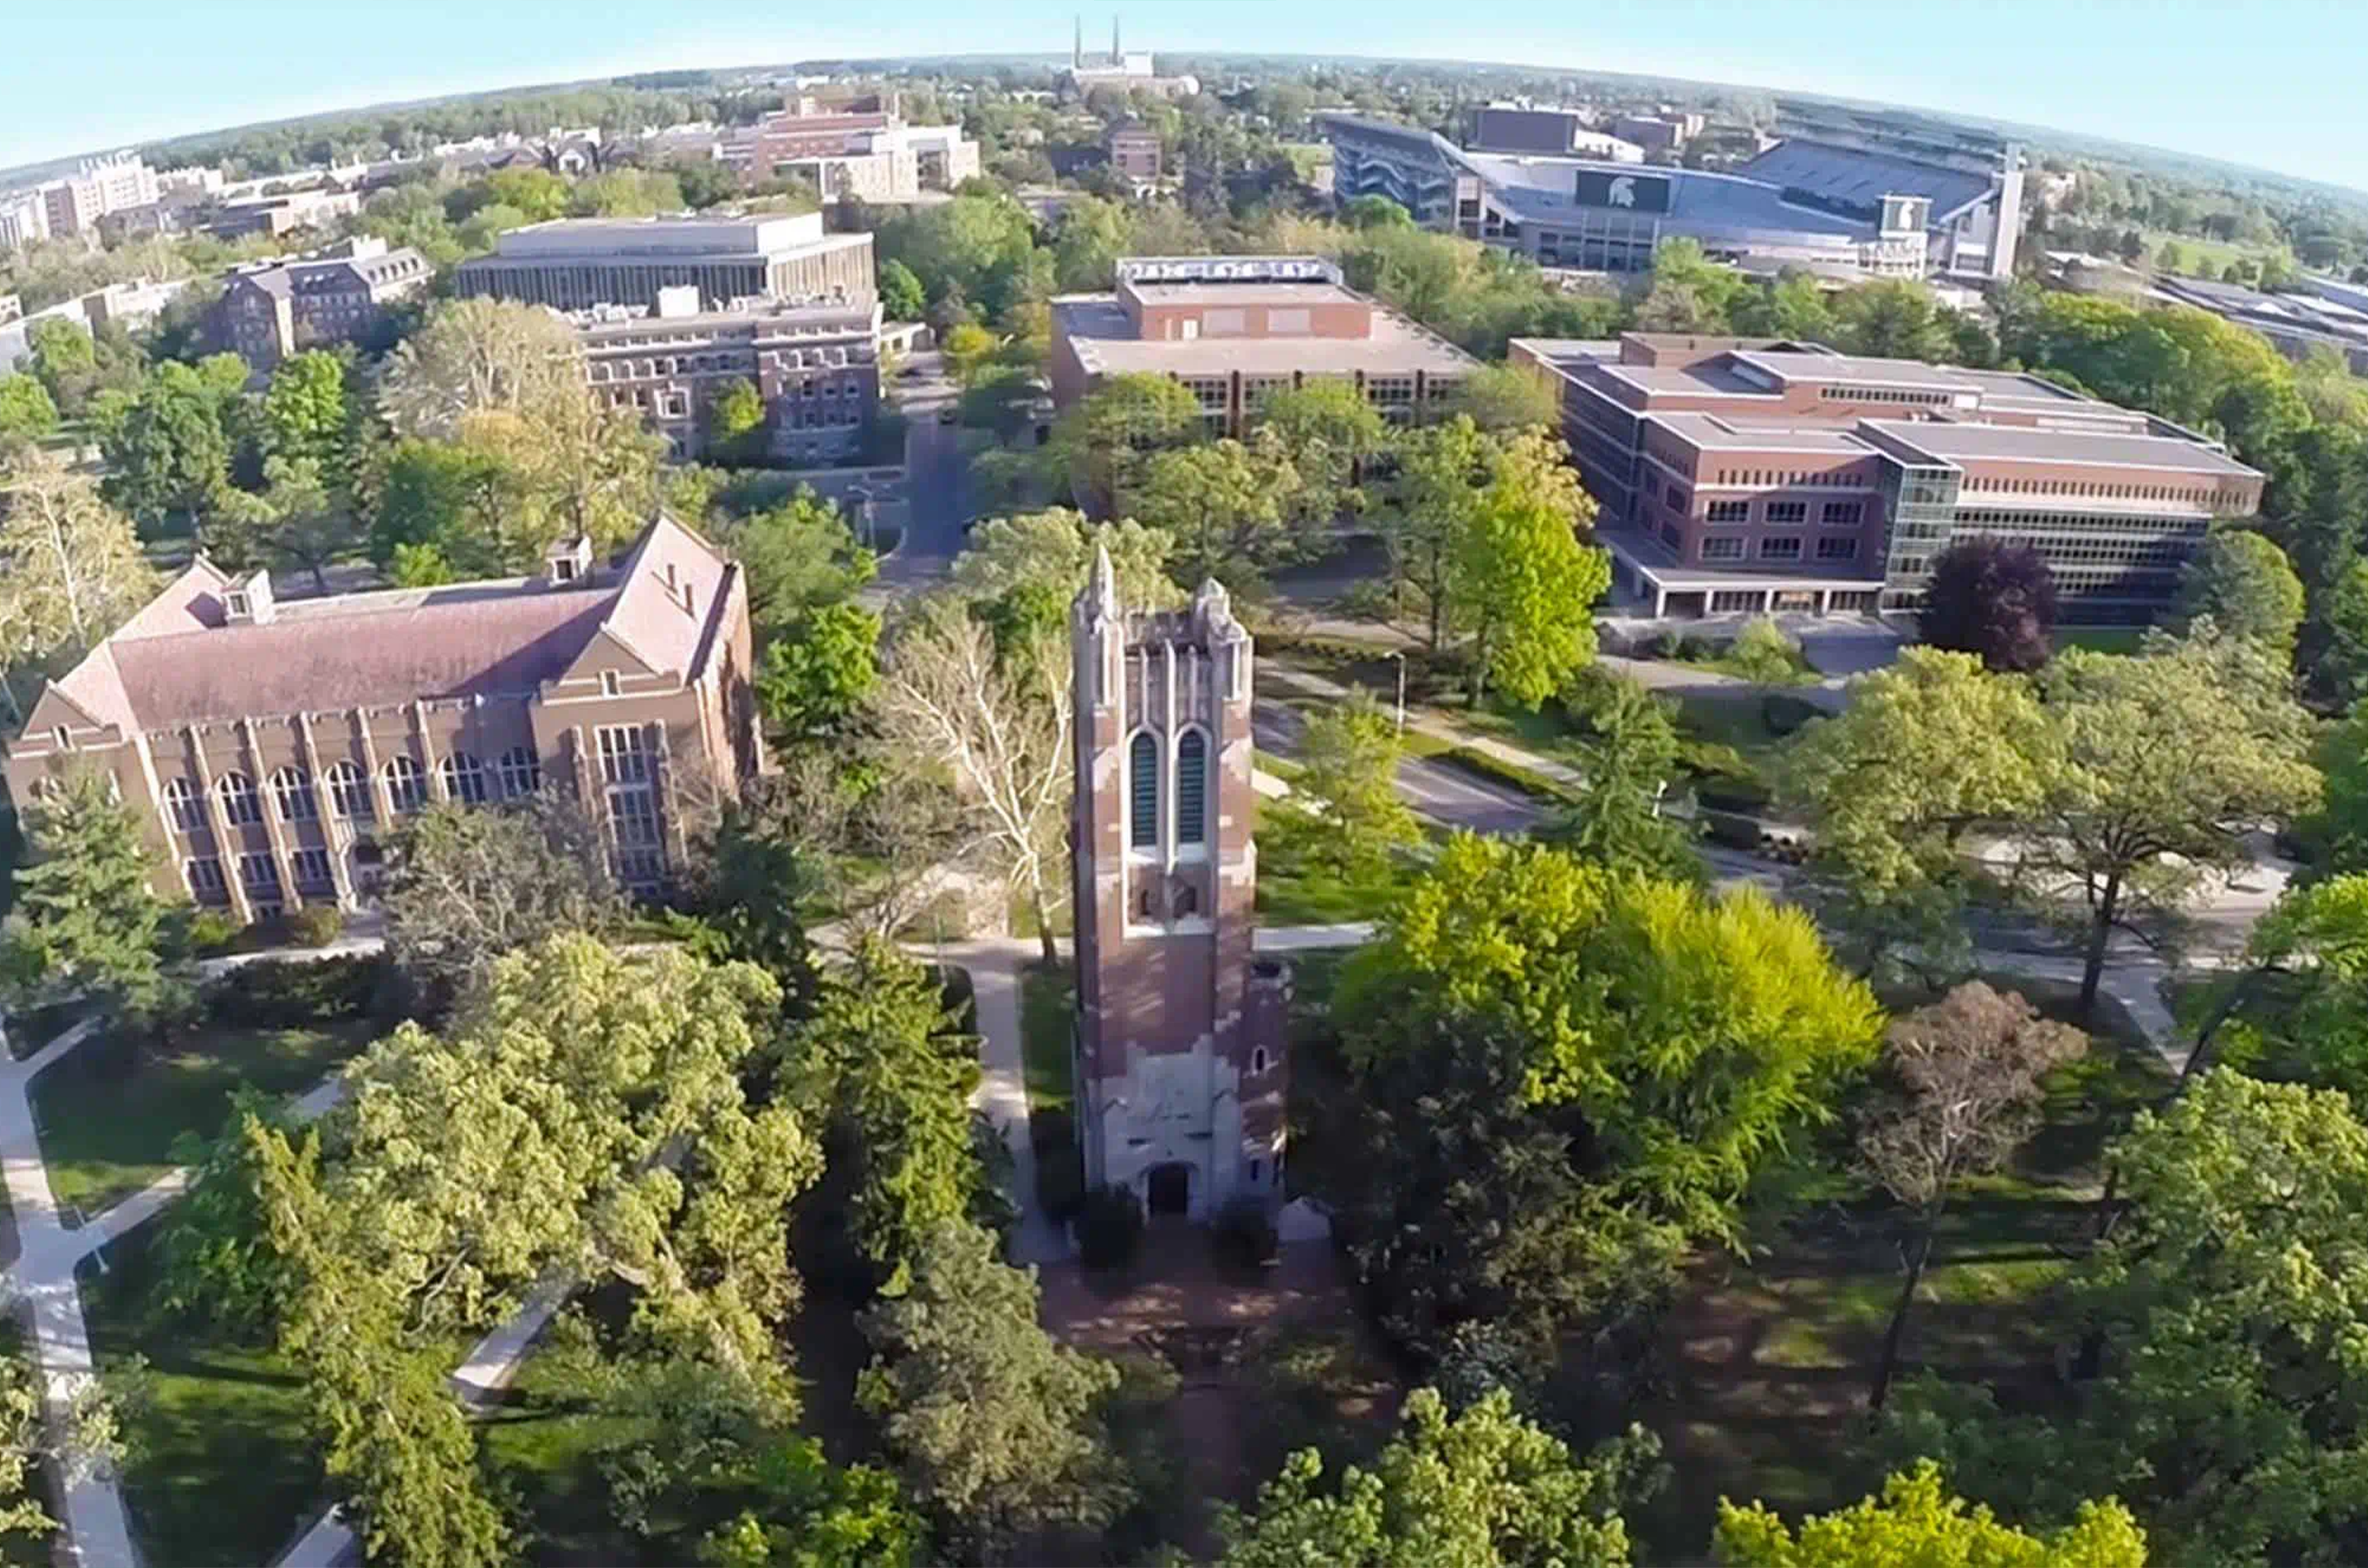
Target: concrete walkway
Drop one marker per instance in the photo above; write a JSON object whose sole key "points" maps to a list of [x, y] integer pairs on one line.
{"points": [[42, 1281], [1437, 729], [993, 965]]}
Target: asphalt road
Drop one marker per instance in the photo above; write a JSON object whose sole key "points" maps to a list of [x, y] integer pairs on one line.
{"points": [[934, 470], [1440, 790]]}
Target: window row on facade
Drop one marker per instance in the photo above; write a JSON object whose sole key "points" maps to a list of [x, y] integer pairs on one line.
{"points": [[293, 792], [1774, 479], [1978, 485], [1777, 547]]}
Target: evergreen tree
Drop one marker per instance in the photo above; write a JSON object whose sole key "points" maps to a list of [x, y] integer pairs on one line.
{"points": [[84, 919]]}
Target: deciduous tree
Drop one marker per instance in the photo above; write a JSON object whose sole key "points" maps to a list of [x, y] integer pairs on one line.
{"points": [[1917, 1520], [1993, 599], [1000, 726], [71, 571], [1350, 759], [466, 885], [2245, 584], [992, 1421], [817, 672], [1482, 1487], [2228, 1415], [1526, 583], [2164, 762], [1964, 1080]]}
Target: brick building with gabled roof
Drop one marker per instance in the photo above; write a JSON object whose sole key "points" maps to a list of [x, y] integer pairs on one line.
{"points": [[268, 747]]}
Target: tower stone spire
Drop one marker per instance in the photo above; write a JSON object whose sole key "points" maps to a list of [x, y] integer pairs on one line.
{"points": [[1078, 43], [1102, 585], [1116, 58]]}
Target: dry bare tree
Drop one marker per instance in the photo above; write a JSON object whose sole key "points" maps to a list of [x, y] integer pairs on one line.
{"points": [[70, 567], [1000, 729], [1966, 1090]]}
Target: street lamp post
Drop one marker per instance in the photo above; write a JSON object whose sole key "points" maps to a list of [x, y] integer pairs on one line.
{"points": [[1399, 654]]}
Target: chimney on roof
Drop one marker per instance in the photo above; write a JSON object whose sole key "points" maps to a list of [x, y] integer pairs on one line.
{"points": [[568, 561], [249, 602]]}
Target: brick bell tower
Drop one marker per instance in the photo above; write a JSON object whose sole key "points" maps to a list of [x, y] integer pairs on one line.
{"points": [[1180, 1029]]}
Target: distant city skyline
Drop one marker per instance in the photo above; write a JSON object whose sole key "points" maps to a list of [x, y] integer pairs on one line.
{"points": [[2172, 75]]}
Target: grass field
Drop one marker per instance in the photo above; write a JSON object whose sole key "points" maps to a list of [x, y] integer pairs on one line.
{"points": [[1766, 1361], [2100, 639], [1296, 889], [110, 1111], [220, 1470], [1047, 1017]]}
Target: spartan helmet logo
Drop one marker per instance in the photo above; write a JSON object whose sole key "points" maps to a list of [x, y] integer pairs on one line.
{"points": [[1621, 192]]}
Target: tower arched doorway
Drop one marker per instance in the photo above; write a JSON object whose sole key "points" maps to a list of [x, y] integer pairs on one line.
{"points": [[1167, 1190]]}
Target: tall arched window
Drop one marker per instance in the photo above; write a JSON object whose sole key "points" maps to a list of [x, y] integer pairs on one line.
{"points": [[406, 788], [1142, 791], [349, 795], [182, 806], [238, 799], [521, 771], [464, 777], [293, 792], [1193, 787]]}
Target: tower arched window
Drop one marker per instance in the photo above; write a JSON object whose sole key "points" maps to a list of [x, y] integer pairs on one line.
{"points": [[464, 777], [406, 788], [521, 771], [1142, 791], [293, 792], [239, 802], [1193, 787], [349, 795], [181, 805]]}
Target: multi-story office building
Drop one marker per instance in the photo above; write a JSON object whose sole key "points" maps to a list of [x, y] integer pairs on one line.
{"points": [[24, 219], [340, 294], [1741, 475], [1813, 203], [267, 747], [816, 366], [100, 186], [1233, 329], [131, 304], [575, 264], [857, 147], [1134, 149]]}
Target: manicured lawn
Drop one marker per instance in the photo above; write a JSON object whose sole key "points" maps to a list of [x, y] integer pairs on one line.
{"points": [[221, 1471], [1048, 1000], [1295, 889], [2100, 639], [1766, 1361], [110, 1111]]}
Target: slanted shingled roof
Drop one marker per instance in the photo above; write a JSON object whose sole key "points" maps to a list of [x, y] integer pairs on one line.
{"points": [[178, 662]]}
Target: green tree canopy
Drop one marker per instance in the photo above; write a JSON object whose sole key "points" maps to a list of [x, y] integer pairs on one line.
{"points": [[992, 1423], [1484, 1488], [2248, 587], [1917, 1522], [2229, 1414], [1350, 759], [83, 918], [1526, 583]]}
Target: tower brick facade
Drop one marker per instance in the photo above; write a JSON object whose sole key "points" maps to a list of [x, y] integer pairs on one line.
{"points": [[1180, 1068]]}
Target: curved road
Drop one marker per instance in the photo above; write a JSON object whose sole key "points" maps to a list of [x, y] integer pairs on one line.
{"points": [[1440, 790]]}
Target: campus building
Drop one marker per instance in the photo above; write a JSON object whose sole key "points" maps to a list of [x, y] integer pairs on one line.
{"points": [[1179, 1057], [816, 368], [1740, 475], [98, 187], [574, 264], [856, 147], [1133, 73], [1837, 196], [1234, 329], [266, 748], [341, 293]]}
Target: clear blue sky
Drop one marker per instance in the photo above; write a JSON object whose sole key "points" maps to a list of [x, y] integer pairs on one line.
{"points": [[2276, 83]]}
